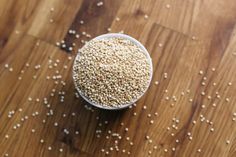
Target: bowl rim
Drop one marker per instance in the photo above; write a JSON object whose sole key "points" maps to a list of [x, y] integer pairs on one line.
{"points": [[111, 35]]}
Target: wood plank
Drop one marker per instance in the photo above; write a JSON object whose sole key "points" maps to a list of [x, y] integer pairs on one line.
{"points": [[192, 41]]}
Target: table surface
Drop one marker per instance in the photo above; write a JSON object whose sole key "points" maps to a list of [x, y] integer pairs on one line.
{"points": [[189, 109]]}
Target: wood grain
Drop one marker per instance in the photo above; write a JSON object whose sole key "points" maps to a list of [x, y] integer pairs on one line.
{"points": [[192, 109]]}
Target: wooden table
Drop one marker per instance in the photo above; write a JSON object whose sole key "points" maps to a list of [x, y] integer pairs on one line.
{"points": [[188, 111]]}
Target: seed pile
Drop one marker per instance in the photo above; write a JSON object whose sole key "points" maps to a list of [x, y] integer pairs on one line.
{"points": [[111, 72]]}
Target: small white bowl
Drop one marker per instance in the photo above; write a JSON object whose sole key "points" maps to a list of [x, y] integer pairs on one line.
{"points": [[111, 35]]}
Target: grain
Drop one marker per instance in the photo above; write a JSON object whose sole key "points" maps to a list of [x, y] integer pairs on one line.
{"points": [[111, 72]]}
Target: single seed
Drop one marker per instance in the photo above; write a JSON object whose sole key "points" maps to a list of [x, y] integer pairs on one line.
{"points": [[227, 141], [117, 19], [193, 38], [200, 72], [227, 99], [202, 93], [145, 16], [168, 6], [160, 45]]}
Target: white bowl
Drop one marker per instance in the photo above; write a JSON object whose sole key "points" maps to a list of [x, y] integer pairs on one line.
{"points": [[110, 35]]}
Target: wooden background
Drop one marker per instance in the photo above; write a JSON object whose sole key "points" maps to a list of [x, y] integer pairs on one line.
{"points": [[188, 114]]}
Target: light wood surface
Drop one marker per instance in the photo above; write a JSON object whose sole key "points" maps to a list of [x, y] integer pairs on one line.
{"points": [[190, 113]]}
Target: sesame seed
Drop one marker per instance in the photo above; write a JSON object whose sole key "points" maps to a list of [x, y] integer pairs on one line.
{"points": [[199, 150], [41, 141], [49, 148], [165, 150], [6, 136], [200, 72], [60, 150]]}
